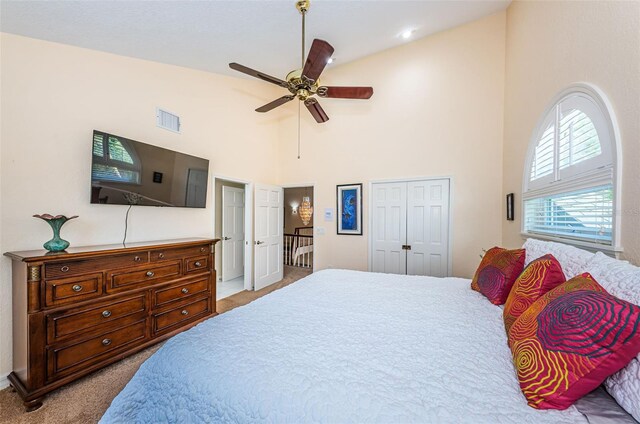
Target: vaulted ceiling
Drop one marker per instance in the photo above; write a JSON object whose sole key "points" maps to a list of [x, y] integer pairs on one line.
{"points": [[207, 35]]}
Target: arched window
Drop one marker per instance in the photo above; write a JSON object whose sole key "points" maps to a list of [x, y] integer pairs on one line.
{"points": [[114, 159], [570, 179]]}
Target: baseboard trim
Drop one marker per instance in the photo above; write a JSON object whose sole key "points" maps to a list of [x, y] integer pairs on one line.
{"points": [[4, 382]]}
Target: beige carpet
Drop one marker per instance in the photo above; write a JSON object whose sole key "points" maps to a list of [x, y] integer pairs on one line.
{"points": [[85, 400]]}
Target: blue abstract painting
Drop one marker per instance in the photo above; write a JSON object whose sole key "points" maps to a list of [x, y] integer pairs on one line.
{"points": [[349, 216], [349, 209]]}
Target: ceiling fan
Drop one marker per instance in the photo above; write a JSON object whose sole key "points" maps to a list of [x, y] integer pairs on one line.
{"points": [[304, 83]]}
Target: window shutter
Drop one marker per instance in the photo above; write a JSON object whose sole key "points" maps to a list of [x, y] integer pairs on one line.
{"points": [[569, 187]]}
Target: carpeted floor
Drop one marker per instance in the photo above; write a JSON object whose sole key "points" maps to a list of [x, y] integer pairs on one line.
{"points": [[85, 400]]}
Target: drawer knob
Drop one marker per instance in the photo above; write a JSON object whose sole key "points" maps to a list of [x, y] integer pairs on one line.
{"points": [[64, 268], [137, 258], [198, 264], [203, 249], [185, 290], [76, 287], [106, 313], [184, 312], [161, 255], [150, 273], [106, 342]]}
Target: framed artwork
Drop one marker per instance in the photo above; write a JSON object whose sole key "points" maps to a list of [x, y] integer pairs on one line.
{"points": [[349, 209], [510, 216]]}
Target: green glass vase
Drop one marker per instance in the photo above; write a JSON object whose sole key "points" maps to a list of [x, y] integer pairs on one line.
{"points": [[56, 244]]}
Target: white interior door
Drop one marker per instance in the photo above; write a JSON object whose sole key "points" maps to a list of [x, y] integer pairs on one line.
{"points": [[389, 229], [428, 228], [268, 244], [232, 233]]}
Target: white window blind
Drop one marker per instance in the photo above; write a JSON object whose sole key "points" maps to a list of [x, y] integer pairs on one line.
{"points": [[569, 186], [581, 215]]}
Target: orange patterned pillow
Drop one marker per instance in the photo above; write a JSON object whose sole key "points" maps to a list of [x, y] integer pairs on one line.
{"points": [[570, 340], [498, 270], [540, 276]]}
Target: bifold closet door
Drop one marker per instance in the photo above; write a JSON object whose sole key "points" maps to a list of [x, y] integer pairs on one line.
{"points": [[428, 227], [410, 227], [389, 230]]}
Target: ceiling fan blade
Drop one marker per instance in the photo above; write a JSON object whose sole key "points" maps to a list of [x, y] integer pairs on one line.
{"points": [[317, 59], [274, 104], [316, 110], [257, 74], [346, 92]]}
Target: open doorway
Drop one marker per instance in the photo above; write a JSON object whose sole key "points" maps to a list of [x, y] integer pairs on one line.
{"points": [[231, 228], [298, 230]]}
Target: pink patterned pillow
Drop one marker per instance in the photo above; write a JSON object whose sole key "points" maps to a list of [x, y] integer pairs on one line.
{"points": [[538, 277], [498, 270], [570, 340]]}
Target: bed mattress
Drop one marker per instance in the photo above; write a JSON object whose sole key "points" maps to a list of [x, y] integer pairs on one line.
{"points": [[339, 346]]}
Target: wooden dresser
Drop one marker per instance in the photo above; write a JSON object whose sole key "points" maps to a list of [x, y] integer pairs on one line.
{"points": [[77, 311]]}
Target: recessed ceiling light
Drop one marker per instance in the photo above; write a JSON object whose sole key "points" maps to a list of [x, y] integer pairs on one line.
{"points": [[407, 34]]}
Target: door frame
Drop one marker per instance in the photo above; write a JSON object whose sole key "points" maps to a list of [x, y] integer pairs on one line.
{"points": [[315, 210], [248, 225], [406, 180]]}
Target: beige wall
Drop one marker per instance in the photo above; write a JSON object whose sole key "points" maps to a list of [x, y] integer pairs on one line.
{"points": [[292, 196], [551, 45], [54, 96], [437, 111]]}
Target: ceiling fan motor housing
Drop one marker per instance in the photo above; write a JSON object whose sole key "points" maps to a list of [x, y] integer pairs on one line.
{"points": [[301, 86]]}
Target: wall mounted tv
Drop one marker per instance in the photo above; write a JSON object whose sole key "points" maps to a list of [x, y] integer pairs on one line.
{"points": [[127, 172]]}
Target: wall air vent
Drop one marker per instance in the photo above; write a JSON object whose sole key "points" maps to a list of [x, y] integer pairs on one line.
{"points": [[167, 120]]}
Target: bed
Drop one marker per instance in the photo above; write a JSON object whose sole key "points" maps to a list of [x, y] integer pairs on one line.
{"points": [[340, 346]]}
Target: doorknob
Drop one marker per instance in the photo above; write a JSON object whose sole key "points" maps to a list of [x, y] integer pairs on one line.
{"points": [[226, 238], [259, 242]]}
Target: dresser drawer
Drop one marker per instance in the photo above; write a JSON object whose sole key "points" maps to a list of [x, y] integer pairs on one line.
{"points": [[67, 359], [83, 266], [140, 277], [72, 322], [178, 253], [167, 295], [197, 264], [72, 289], [180, 316]]}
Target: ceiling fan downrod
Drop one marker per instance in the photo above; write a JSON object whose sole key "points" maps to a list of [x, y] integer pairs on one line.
{"points": [[303, 7]]}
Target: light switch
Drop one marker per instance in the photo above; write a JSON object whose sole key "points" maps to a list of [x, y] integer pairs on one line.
{"points": [[320, 231]]}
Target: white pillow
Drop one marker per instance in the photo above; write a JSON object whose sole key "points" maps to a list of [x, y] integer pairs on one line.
{"points": [[622, 280], [572, 260]]}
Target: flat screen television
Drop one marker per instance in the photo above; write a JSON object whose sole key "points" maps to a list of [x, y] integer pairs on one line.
{"points": [[128, 172]]}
